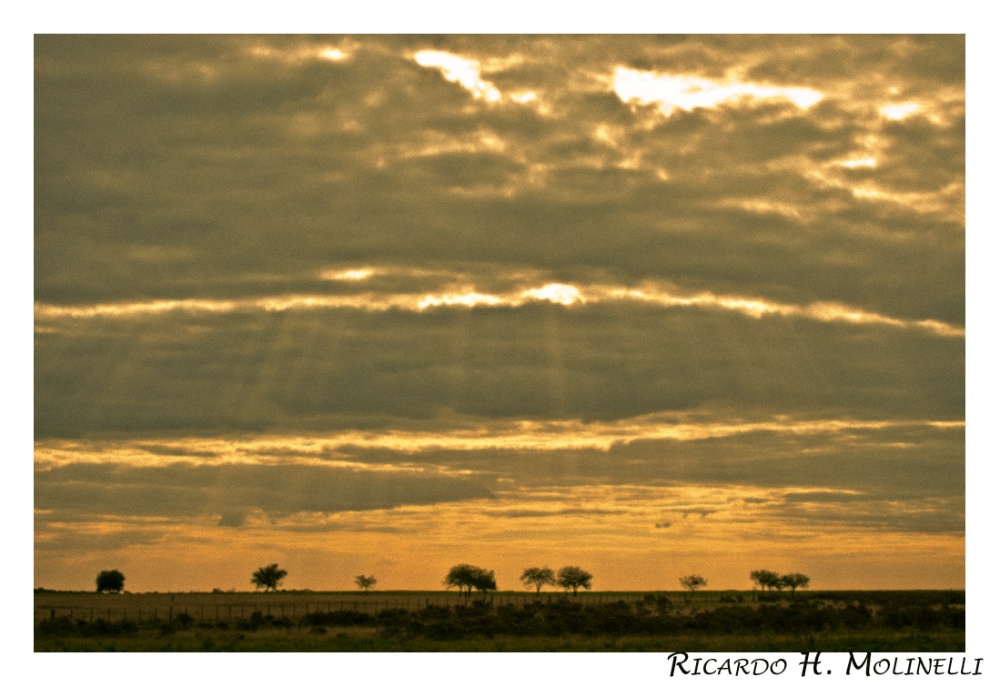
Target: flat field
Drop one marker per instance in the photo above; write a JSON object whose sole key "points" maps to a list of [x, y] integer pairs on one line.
{"points": [[507, 621], [217, 606]]}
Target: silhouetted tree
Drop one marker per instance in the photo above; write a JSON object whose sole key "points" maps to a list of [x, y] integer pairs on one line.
{"points": [[692, 582], [110, 581], [485, 581], [365, 582], [765, 579], [268, 577], [572, 577], [795, 580], [538, 578], [466, 576]]}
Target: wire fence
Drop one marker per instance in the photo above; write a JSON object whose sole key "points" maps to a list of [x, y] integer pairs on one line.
{"points": [[153, 607]]}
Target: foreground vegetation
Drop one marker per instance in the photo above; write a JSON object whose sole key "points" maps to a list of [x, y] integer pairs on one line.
{"points": [[819, 621]]}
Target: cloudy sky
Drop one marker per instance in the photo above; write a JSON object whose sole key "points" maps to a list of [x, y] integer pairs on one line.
{"points": [[652, 306]]}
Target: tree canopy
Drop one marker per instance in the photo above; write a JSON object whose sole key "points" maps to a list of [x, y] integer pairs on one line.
{"points": [[269, 577], [692, 582], [766, 579], [538, 578], [468, 577], [365, 581], [572, 577], [485, 581], [795, 580], [110, 581]]}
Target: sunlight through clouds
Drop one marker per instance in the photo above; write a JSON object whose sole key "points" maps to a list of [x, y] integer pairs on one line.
{"points": [[460, 70], [302, 53], [469, 300], [359, 274], [660, 294], [856, 162], [322, 449], [690, 92], [563, 294], [897, 111]]}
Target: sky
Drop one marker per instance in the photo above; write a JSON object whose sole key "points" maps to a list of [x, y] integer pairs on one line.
{"points": [[382, 304]]}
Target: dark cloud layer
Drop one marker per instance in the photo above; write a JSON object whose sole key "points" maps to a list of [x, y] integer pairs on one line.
{"points": [[305, 370], [896, 461], [182, 490]]}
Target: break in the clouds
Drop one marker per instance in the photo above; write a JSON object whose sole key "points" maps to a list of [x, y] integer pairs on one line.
{"points": [[333, 296]]}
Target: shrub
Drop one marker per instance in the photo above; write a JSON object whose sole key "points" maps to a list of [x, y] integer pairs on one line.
{"points": [[337, 619], [444, 629], [60, 626], [434, 612]]}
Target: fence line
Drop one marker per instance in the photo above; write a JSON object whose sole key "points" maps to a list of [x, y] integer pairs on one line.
{"points": [[138, 610]]}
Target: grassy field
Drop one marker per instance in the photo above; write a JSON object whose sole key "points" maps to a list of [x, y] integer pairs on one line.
{"points": [[298, 640], [438, 621], [217, 606]]}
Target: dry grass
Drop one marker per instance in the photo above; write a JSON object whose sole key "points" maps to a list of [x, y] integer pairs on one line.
{"points": [[211, 606]]}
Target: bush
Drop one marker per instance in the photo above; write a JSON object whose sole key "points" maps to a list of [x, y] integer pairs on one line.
{"points": [[919, 617], [444, 629], [855, 616], [433, 613], [476, 608], [337, 619], [60, 626], [64, 626]]}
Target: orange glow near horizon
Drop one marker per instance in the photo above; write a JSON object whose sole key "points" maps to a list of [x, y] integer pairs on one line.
{"points": [[668, 529], [475, 532]]}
